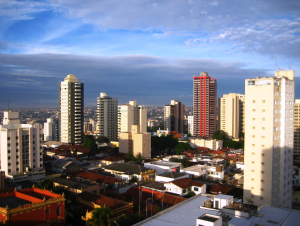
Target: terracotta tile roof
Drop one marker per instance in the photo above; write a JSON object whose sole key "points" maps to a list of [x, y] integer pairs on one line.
{"points": [[186, 183], [98, 177], [202, 148], [192, 152], [102, 200], [112, 158], [218, 188]]}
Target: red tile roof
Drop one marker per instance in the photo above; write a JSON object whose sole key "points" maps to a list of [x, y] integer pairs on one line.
{"points": [[186, 183], [98, 177], [218, 188]]}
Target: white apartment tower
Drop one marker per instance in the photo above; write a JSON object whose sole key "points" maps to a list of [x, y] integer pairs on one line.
{"points": [[107, 110], [71, 110], [51, 128], [269, 135], [297, 127], [231, 114], [132, 114], [174, 116], [21, 149]]}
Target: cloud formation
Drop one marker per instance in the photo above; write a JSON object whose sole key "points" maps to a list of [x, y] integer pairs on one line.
{"points": [[149, 80]]}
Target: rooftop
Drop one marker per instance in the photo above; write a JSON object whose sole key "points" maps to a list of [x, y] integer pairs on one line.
{"points": [[72, 183], [127, 168], [209, 218], [173, 175], [186, 183], [241, 207]]}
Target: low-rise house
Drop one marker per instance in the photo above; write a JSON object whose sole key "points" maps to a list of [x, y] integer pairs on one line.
{"points": [[125, 171], [32, 206], [108, 160], [78, 186], [91, 201], [183, 186], [170, 176], [61, 166], [163, 167]]}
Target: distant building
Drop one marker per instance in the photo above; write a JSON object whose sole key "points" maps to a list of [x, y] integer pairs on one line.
{"points": [[268, 174], [231, 112], [204, 105], [191, 124], [51, 130], [132, 114], [297, 127], [21, 149], [32, 206], [107, 108], [71, 106], [174, 116], [212, 144], [135, 142]]}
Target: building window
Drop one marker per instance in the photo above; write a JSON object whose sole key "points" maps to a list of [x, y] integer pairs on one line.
{"points": [[17, 144], [33, 142], [17, 163], [41, 165], [253, 145], [253, 127], [262, 180], [263, 128], [8, 145], [263, 101], [253, 101], [253, 153], [8, 151], [196, 189], [58, 212], [17, 150], [8, 164], [18, 169], [8, 138], [263, 110], [262, 171], [183, 191]]}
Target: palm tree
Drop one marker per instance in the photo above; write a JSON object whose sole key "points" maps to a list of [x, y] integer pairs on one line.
{"points": [[100, 216]]}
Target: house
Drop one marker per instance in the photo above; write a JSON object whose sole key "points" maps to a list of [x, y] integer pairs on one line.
{"points": [[125, 171], [32, 206], [170, 176], [183, 186], [90, 201], [61, 166], [108, 160], [77, 186], [163, 167]]}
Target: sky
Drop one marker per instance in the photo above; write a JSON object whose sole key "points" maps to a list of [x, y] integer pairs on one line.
{"points": [[143, 50]]}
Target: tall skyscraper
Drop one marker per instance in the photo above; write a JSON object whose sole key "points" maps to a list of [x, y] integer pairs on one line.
{"points": [[204, 105], [174, 116], [51, 130], [231, 116], [132, 114], [21, 149], [71, 110], [297, 127], [269, 136], [107, 110]]}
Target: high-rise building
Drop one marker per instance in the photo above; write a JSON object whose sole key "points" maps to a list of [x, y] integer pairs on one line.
{"points": [[132, 114], [174, 116], [71, 110], [297, 127], [21, 149], [231, 116], [269, 137], [191, 124], [204, 105], [107, 110], [136, 142], [51, 130]]}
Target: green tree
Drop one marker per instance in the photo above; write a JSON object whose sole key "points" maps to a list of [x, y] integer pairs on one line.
{"points": [[101, 216], [129, 156], [89, 142], [133, 179], [220, 135], [102, 139], [139, 157], [190, 194], [47, 184], [180, 147]]}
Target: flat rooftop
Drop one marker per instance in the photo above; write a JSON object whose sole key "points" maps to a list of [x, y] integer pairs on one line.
{"points": [[205, 217], [163, 163], [241, 207], [12, 202]]}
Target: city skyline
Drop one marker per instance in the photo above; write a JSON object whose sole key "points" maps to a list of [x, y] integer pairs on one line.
{"points": [[143, 51]]}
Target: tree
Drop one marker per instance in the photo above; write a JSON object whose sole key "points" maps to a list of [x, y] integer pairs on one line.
{"points": [[133, 179], [190, 194], [220, 135], [89, 142], [139, 157], [129, 156], [47, 184], [101, 216], [180, 147], [102, 139]]}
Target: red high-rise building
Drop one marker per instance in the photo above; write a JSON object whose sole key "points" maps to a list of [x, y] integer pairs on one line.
{"points": [[204, 105]]}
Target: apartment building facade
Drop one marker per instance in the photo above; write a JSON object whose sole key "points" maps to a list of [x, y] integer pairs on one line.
{"points": [[174, 116]]}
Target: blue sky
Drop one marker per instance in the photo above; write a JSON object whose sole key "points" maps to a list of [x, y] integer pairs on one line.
{"points": [[144, 50]]}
